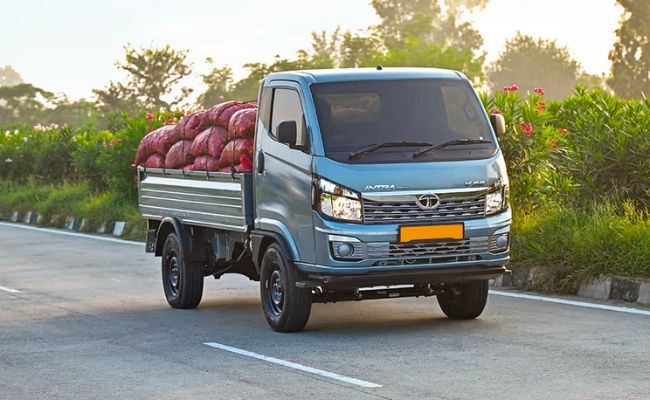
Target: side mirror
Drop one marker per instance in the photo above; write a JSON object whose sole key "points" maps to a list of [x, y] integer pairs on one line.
{"points": [[288, 133], [498, 124]]}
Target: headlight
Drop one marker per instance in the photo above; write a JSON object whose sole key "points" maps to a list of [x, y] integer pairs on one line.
{"points": [[336, 202], [497, 199]]}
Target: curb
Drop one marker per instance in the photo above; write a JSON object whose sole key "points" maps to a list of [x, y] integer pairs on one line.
{"points": [[604, 287], [70, 223]]}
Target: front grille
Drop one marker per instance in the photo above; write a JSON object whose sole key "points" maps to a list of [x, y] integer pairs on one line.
{"points": [[427, 250], [452, 207]]}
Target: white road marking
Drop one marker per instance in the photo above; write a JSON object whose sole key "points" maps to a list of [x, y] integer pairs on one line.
{"points": [[8, 289], [75, 234], [585, 304], [300, 367]]}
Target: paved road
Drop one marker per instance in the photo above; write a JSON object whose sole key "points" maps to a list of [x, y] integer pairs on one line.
{"points": [[90, 322]]}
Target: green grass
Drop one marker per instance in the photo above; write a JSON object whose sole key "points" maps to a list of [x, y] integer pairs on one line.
{"points": [[569, 245], [72, 199]]}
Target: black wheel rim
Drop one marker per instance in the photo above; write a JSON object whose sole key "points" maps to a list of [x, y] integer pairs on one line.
{"points": [[173, 275], [275, 291]]}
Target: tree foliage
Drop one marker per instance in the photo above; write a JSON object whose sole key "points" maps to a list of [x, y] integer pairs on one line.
{"points": [[154, 80], [430, 21], [22, 103], [415, 33], [9, 76], [530, 63], [630, 56]]}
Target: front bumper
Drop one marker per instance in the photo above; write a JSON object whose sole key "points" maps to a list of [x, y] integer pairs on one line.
{"points": [[472, 265], [403, 276]]}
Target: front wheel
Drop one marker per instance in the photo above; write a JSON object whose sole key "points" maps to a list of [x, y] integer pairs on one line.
{"points": [[464, 300], [286, 307], [182, 281]]}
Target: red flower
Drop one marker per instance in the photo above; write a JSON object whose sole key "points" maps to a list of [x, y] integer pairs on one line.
{"points": [[540, 90], [149, 116], [527, 128], [512, 88], [540, 106], [553, 143], [495, 111], [564, 131], [170, 121]]}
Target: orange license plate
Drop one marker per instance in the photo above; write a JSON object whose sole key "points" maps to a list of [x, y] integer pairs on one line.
{"points": [[431, 232]]}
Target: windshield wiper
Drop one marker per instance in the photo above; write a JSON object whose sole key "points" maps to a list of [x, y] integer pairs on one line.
{"points": [[456, 142], [378, 146]]}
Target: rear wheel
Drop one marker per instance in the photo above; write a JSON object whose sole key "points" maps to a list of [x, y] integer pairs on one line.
{"points": [[286, 307], [182, 281], [464, 300]]}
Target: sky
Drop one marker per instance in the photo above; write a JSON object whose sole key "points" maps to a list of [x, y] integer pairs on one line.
{"points": [[71, 46]]}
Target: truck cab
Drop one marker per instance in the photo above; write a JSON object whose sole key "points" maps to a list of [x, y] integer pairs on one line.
{"points": [[366, 183]]}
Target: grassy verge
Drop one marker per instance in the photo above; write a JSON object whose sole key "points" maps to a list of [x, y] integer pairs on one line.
{"points": [[55, 203], [569, 245]]}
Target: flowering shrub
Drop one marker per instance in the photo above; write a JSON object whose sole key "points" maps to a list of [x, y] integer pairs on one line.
{"points": [[590, 146]]}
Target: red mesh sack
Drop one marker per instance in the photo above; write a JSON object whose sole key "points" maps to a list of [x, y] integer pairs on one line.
{"points": [[235, 168], [179, 155], [164, 138], [144, 149], [242, 123], [193, 124], [234, 150], [158, 141], [211, 141], [205, 163], [245, 163], [155, 161], [221, 113]]}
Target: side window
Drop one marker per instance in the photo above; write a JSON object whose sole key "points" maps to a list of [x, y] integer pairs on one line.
{"points": [[287, 107], [265, 107]]}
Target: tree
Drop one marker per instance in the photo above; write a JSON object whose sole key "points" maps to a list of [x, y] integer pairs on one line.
{"points": [[154, 78], [530, 63], [219, 85], [432, 21], [23, 103], [9, 76], [630, 56]]}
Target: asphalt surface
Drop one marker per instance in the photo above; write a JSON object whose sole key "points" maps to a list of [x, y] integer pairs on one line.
{"points": [[90, 322]]}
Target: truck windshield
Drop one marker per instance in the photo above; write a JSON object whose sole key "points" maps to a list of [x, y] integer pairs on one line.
{"points": [[357, 115]]}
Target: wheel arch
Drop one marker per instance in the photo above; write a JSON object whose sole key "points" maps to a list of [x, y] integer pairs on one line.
{"points": [[169, 225], [261, 240]]}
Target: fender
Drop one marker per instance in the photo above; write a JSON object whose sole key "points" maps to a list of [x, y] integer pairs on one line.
{"points": [[167, 226], [257, 239], [191, 249]]}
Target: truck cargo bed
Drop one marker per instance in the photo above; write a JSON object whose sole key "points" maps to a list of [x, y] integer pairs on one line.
{"points": [[210, 199]]}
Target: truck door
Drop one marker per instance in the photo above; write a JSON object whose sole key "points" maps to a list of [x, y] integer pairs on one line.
{"points": [[283, 175]]}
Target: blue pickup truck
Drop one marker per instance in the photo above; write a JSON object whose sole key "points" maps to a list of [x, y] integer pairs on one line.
{"points": [[366, 184]]}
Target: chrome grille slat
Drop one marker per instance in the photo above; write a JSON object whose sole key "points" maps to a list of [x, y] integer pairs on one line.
{"points": [[404, 251], [456, 207]]}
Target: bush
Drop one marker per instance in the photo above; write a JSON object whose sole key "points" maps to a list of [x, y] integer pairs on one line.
{"points": [[608, 145]]}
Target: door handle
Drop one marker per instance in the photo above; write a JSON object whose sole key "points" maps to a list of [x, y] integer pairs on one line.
{"points": [[260, 162]]}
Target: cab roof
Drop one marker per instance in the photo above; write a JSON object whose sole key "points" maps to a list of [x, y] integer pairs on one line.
{"points": [[363, 74]]}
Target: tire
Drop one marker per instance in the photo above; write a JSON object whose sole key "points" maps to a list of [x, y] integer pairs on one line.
{"points": [[182, 281], [286, 307], [464, 300]]}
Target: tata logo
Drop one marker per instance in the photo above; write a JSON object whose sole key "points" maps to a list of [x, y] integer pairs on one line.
{"points": [[385, 187], [428, 201]]}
